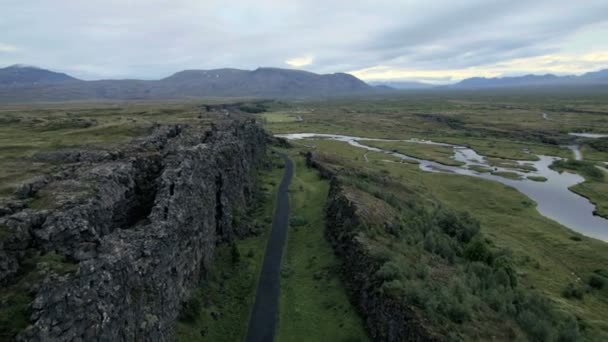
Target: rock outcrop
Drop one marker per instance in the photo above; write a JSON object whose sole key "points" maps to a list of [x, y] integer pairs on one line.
{"points": [[385, 318], [141, 226]]}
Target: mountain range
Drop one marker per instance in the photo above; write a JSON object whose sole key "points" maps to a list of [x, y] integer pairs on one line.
{"points": [[548, 80], [590, 78], [27, 83], [21, 83]]}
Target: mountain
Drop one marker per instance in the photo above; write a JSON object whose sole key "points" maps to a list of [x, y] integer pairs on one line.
{"points": [[590, 78], [23, 75], [405, 85], [34, 84], [262, 81], [596, 75]]}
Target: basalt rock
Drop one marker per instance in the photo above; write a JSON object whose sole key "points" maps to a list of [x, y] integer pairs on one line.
{"points": [[386, 319], [142, 226]]}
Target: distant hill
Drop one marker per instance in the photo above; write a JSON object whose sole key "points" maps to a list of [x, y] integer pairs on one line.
{"points": [[33, 84], [23, 75], [402, 84], [588, 79]]}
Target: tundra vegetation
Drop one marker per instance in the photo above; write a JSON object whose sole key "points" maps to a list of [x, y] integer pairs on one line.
{"points": [[472, 256]]}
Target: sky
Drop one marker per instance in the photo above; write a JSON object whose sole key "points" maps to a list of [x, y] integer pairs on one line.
{"points": [[430, 41]]}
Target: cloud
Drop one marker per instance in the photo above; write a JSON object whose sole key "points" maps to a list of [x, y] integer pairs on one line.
{"points": [[551, 63], [8, 48], [154, 38], [299, 62]]}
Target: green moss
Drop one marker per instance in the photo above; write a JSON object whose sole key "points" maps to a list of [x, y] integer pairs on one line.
{"points": [[13, 313], [58, 263], [15, 298]]}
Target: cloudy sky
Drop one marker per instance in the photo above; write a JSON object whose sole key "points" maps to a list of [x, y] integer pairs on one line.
{"points": [[434, 41]]}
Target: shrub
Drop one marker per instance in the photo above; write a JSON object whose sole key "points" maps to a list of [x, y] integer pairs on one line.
{"points": [[190, 310], [298, 221], [235, 255], [572, 291], [570, 331], [477, 250], [597, 281], [389, 271], [457, 224]]}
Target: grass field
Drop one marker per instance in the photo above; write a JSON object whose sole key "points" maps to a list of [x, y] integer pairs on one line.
{"points": [[314, 305], [440, 154], [278, 117], [25, 131]]}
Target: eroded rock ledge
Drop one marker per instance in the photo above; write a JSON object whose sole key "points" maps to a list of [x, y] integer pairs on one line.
{"points": [[385, 318], [140, 225]]}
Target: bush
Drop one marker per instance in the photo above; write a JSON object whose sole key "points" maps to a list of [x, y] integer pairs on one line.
{"points": [[570, 331], [253, 108], [597, 281], [477, 250], [389, 271], [190, 310], [572, 291], [457, 224], [235, 255], [298, 221]]}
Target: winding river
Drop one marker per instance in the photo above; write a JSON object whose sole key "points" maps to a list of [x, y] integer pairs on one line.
{"points": [[554, 199]]}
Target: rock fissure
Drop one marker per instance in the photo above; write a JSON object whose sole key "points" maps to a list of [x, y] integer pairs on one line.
{"points": [[143, 233]]}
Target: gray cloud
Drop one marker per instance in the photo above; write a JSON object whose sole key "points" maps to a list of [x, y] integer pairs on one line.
{"points": [[154, 38]]}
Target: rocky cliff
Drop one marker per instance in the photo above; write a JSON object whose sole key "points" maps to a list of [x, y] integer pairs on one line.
{"points": [[386, 319], [135, 229]]}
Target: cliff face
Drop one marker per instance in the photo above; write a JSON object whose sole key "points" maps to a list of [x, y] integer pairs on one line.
{"points": [[385, 318], [140, 227]]}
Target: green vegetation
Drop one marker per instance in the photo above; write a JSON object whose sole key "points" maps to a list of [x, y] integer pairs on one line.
{"points": [[480, 169], [254, 108], [595, 186], [26, 131], [584, 168], [219, 310], [278, 117], [313, 305], [437, 260], [508, 219], [440, 154], [537, 178], [15, 299], [507, 174]]}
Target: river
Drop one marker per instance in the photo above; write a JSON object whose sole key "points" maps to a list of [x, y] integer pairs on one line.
{"points": [[554, 199]]}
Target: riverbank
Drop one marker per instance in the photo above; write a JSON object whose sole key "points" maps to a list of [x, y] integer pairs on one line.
{"points": [[553, 197], [548, 257]]}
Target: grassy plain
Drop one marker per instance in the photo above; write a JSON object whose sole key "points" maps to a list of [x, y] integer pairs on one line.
{"points": [[314, 305], [27, 130], [549, 257]]}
